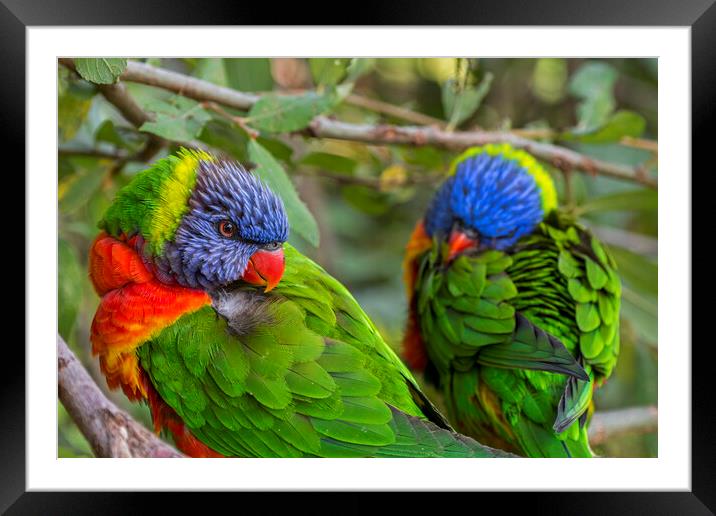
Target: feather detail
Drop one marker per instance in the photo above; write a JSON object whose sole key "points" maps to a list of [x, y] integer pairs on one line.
{"points": [[134, 307], [413, 345]]}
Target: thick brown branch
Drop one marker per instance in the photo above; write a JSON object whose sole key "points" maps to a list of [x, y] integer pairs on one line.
{"points": [[191, 87], [607, 424], [111, 432], [324, 127]]}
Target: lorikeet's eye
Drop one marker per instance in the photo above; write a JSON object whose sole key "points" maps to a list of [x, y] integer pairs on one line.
{"points": [[227, 229], [272, 246]]}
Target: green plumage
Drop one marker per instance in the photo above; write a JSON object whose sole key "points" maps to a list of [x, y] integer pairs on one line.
{"points": [[298, 372], [512, 334]]}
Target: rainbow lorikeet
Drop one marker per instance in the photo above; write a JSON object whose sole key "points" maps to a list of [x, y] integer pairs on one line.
{"points": [[240, 345], [514, 307]]}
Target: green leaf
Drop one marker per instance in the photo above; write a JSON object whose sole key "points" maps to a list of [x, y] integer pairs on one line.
{"points": [[634, 200], [248, 74], [73, 105], [328, 71], [359, 66], [222, 135], [119, 136], [277, 148], [549, 79], [460, 104], [69, 287], [366, 199], [326, 161], [179, 119], [273, 174], [620, 124], [75, 190], [286, 113], [593, 82], [211, 70], [103, 70]]}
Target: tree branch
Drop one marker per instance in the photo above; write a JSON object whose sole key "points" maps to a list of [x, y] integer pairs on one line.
{"points": [[609, 423], [560, 157], [324, 127], [385, 108], [111, 432]]}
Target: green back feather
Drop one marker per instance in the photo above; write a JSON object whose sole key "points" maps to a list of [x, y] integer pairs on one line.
{"points": [[314, 378]]}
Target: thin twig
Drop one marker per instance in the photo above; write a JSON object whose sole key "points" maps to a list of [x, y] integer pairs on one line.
{"points": [[238, 120], [92, 153], [111, 432], [385, 108], [640, 143], [551, 134]]}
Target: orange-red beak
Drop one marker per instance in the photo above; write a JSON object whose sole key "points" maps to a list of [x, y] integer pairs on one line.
{"points": [[458, 243], [265, 268]]}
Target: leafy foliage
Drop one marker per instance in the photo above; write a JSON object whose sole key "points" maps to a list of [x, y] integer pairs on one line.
{"points": [[105, 70], [179, 119], [282, 114]]}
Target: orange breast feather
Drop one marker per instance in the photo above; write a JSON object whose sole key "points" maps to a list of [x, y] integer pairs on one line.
{"points": [[413, 345], [135, 306]]}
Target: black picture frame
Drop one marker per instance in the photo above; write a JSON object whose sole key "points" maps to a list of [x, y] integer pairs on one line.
{"points": [[700, 15]]}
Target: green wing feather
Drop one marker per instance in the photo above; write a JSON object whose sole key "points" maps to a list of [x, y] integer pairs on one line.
{"points": [[308, 376], [520, 338]]}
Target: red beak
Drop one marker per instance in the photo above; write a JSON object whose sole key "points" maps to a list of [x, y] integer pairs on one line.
{"points": [[265, 268], [458, 243]]}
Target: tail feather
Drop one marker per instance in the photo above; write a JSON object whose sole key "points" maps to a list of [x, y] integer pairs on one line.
{"points": [[539, 441], [416, 437]]}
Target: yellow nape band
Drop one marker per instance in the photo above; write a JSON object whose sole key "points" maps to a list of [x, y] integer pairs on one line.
{"points": [[548, 192], [174, 194]]}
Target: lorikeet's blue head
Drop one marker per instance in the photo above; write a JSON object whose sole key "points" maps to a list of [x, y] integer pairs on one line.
{"points": [[496, 196], [232, 228]]}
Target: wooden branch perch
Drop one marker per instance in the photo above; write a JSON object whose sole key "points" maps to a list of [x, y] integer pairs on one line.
{"points": [[324, 127], [111, 432]]}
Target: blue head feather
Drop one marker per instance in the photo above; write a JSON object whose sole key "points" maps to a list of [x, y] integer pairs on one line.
{"points": [[491, 195], [199, 256]]}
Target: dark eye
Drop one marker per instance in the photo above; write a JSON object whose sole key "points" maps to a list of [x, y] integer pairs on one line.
{"points": [[227, 229], [273, 246]]}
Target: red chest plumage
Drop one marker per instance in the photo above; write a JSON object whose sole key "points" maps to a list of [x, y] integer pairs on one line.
{"points": [[134, 307]]}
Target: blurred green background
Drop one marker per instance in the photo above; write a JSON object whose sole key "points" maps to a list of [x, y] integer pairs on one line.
{"points": [[363, 200]]}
